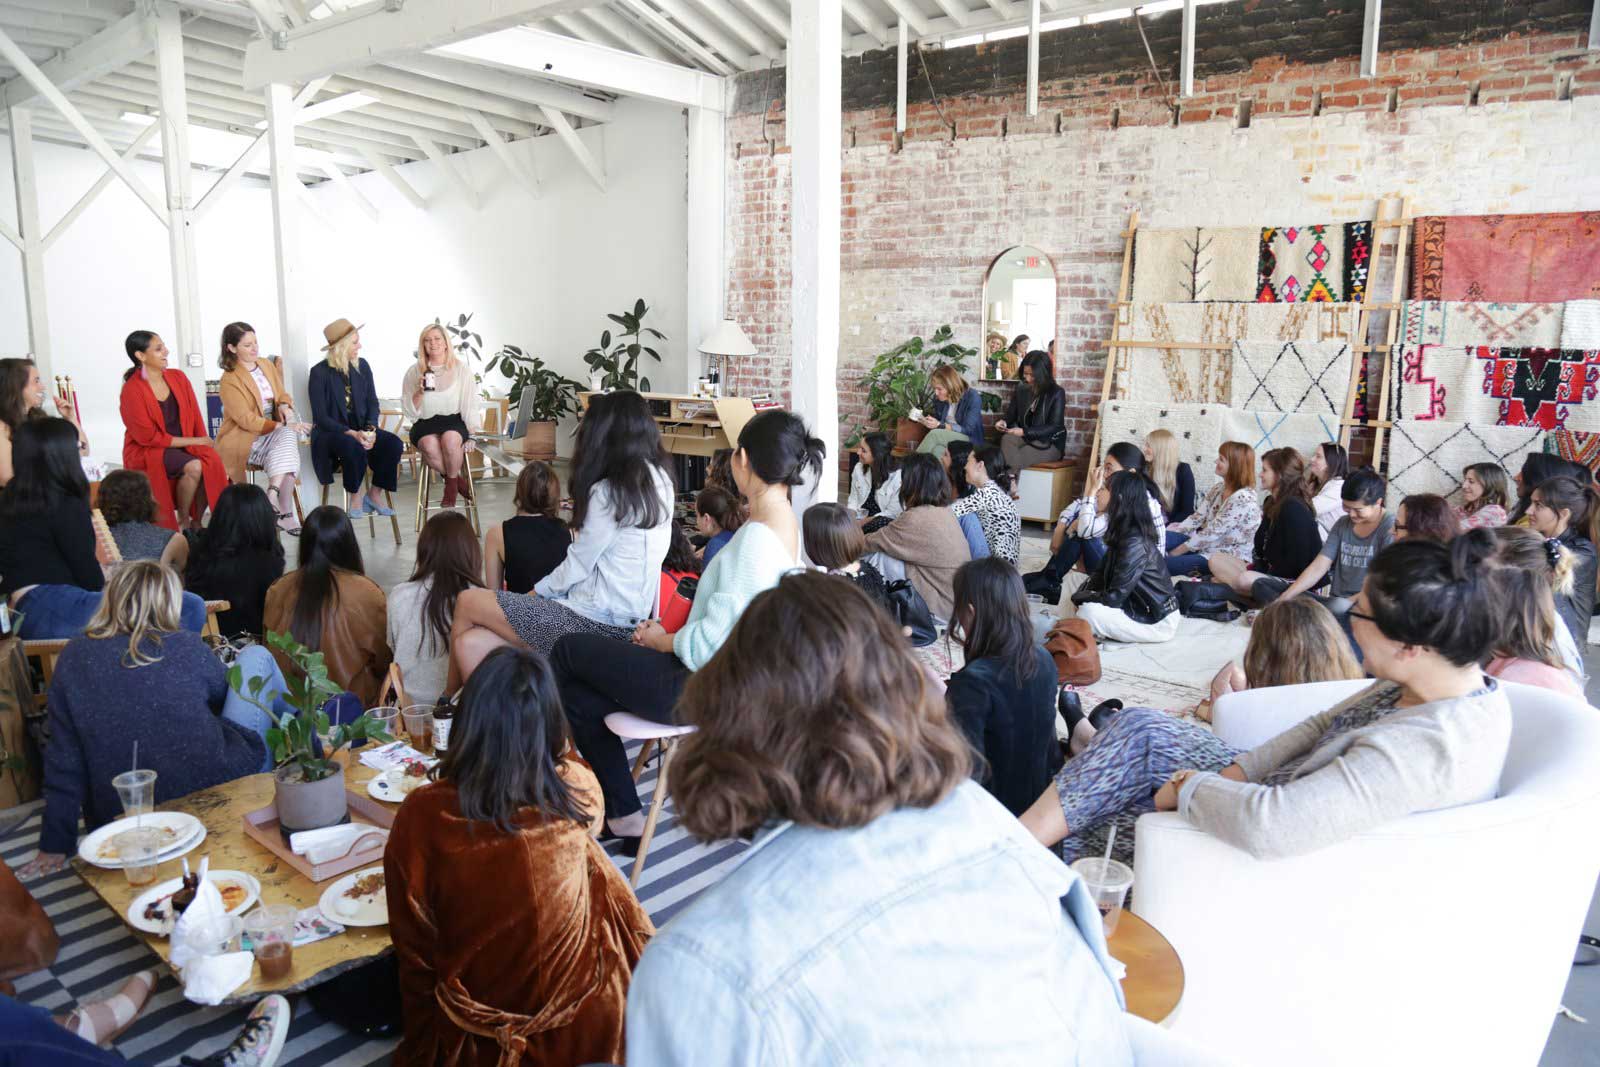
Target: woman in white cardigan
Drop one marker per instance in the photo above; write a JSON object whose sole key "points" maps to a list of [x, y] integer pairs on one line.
{"points": [[440, 398]]}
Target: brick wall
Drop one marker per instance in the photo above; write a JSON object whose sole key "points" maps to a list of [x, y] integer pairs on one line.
{"points": [[1492, 110]]}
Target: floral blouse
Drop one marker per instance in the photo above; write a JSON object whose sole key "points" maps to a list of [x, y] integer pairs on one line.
{"points": [[997, 514], [1223, 526], [1490, 515]]}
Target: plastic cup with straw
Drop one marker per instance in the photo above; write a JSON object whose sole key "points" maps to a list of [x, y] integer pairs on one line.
{"points": [[1108, 882]]}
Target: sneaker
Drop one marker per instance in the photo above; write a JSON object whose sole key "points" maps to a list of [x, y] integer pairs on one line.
{"points": [[260, 1043]]}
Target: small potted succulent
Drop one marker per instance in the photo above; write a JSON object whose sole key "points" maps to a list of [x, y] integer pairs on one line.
{"points": [[553, 397], [308, 783]]}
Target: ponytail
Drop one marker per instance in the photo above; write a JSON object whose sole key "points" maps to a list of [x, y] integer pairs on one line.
{"points": [[136, 342], [1579, 500]]}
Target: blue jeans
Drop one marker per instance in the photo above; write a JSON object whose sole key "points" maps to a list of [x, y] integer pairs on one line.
{"points": [[1189, 562], [57, 611], [256, 662], [33, 1037]]}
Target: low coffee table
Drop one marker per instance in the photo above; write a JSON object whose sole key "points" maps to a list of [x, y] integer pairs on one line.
{"points": [[1153, 987]]}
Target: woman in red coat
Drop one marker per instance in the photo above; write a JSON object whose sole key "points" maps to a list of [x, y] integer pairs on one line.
{"points": [[166, 434]]}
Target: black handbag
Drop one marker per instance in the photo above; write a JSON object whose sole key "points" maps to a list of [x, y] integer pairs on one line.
{"points": [[1207, 600], [911, 612]]}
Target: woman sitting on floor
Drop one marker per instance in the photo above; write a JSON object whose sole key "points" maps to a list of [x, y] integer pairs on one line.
{"points": [[622, 512], [1174, 480], [835, 543], [1129, 597], [954, 462], [129, 510], [957, 413], [1079, 531], [1004, 697], [1485, 492], [329, 605], [237, 558], [875, 481], [519, 552], [1330, 465], [1427, 516], [991, 502], [135, 673], [1363, 532], [1288, 539], [598, 675], [718, 516], [874, 854], [924, 544], [1431, 733], [536, 957], [1292, 642], [421, 609], [1534, 646], [1567, 511], [22, 400], [1226, 521]]}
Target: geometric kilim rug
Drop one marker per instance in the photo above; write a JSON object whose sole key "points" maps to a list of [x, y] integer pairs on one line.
{"points": [[1297, 376], [1303, 263], [1507, 386], [1192, 263], [1429, 456], [1451, 322]]}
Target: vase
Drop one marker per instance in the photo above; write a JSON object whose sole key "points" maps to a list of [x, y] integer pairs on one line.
{"points": [[597, 383], [908, 434], [540, 441], [304, 805]]}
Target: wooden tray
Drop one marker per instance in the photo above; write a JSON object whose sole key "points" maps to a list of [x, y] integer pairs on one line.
{"points": [[262, 826]]}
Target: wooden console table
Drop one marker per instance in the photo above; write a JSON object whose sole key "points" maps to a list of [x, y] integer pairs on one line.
{"points": [[694, 425]]}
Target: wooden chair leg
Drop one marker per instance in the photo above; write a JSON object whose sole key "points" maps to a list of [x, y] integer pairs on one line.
{"points": [[644, 757], [657, 801], [472, 501], [394, 516]]}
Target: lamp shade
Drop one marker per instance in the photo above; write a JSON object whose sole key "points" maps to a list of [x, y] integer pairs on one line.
{"points": [[727, 340]]}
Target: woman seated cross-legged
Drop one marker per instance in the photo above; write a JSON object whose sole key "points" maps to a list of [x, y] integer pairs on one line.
{"points": [[1173, 479], [259, 426], [875, 481], [164, 435], [422, 608], [1431, 733], [519, 552], [516, 936], [610, 579], [1224, 521], [129, 509], [1287, 540], [957, 413], [136, 674], [237, 558], [1078, 540], [1485, 495], [924, 543], [599, 675], [1329, 466], [889, 911], [990, 500], [1129, 597]]}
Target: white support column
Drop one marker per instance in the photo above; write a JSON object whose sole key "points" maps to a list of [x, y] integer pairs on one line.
{"points": [[900, 82], [1369, 39], [286, 190], [25, 176], [180, 201], [1186, 61], [1033, 58], [705, 304], [1594, 28], [814, 126]]}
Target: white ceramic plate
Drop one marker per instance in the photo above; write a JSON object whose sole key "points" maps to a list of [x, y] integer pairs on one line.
{"points": [[383, 786], [136, 917], [372, 910], [183, 832]]}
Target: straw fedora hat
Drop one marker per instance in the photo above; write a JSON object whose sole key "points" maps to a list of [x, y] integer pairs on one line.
{"points": [[337, 331]]}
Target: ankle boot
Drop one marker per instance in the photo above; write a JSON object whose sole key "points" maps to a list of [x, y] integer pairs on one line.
{"points": [[1071, 708], [449, 499], [464, 487]]}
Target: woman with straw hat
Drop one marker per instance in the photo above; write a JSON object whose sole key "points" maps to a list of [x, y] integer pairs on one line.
{"points": [[344, 417]]}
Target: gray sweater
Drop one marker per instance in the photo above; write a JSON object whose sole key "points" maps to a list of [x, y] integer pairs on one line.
{"points": [[1353, 767]]}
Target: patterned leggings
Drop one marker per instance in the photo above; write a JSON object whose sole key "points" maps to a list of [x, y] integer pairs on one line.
{"points": [[1114, 780]]}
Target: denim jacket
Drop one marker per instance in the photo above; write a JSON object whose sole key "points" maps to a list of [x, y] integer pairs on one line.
{"points": [[612, 574], [944, 936]]}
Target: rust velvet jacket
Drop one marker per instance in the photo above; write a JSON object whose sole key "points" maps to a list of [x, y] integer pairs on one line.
{"points": [[515, 950]]}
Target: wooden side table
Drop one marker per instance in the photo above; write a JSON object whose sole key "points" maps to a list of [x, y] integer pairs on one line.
{"points": [[1153, 987]]}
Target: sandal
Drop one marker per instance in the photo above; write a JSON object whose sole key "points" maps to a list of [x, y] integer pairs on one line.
{"points": [[285, 518]]}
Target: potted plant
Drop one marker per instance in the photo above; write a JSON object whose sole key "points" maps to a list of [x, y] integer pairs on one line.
{"points": [[553, 397], [618, 365], [899, 382], [308, 784]]}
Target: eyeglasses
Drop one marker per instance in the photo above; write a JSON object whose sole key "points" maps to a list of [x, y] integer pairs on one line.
{"points": [[1354, 614]]}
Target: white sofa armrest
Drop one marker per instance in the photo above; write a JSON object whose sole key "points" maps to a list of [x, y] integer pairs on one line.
{"points": [[1246, 719]]}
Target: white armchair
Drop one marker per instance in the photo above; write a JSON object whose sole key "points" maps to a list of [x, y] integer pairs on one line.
{"points": [[1444, 937]]}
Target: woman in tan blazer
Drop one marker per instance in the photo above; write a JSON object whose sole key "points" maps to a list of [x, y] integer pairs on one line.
{"points": [[259, 424]]}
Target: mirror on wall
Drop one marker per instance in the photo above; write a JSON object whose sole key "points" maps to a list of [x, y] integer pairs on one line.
{"points": [[1019, 300]]}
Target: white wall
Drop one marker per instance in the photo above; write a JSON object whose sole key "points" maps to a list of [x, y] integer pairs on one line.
{"points": [[541, 273]]}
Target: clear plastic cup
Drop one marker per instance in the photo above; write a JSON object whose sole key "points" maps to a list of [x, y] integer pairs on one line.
{"points": [[138, 849], [386, 719], [216, 936], [419, 727], [271, 931], [1108, 882], [137, 790]]}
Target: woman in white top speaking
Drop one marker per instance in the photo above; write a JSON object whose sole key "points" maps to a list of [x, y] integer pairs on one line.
{"points": [[440, 398], [259, 424]]}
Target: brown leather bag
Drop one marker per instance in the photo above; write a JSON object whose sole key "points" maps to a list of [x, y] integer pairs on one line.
{"points": [[1071, 644], [28, 941]]}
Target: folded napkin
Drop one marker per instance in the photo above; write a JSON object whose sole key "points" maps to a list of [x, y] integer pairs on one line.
{"points": [[331, 842], [206, 979]]}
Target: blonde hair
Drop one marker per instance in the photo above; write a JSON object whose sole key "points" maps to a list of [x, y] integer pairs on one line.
{"points": [[1163, 465], [142, 601], [951, 379], [1298, 641], [422, 346], [339, 352]]}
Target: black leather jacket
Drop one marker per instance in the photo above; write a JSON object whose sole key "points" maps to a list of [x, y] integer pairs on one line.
{"points": [[1042, 419], [1133, 577], [1575, 607]]}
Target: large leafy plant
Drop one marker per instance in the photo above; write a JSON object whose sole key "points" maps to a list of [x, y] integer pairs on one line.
{"points": [[553, 394], [619, 362], [293, 738], [901, 378]]}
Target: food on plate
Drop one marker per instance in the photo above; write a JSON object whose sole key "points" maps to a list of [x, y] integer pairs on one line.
{"points": [[109, 852], [410, 776], [163, 911], [361, 891]]}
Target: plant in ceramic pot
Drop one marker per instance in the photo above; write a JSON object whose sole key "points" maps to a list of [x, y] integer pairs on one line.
{"points": [[617, 365], [900, 383], [553, 397], [308, 782]]}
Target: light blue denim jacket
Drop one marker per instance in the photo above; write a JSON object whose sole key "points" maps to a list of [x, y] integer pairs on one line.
{"points": [[941, 936], [612, 574]]}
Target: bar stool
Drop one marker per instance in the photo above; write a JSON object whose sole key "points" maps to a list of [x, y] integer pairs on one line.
{"points": [[631, 727], [366, 487], [253, 469], [425, 490]]}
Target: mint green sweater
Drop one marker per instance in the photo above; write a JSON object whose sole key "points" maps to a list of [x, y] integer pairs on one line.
{"points": [[751, 563]]}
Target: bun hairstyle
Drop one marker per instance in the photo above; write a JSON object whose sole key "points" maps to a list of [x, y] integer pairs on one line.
{"points": [[1363, 486], [136, 342], [780, 449], [1565, 493], [994, 461], [1426, 594], [1131, 457], [232, 334], [1529, 571]]}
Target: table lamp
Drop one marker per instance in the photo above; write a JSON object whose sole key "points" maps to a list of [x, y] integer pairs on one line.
{"points": [[723, 343]]}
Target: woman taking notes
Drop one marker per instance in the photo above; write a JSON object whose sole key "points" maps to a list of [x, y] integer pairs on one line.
{"points": [[259, 424], [441, 399], [957, 412], [166, 435], [344, 411]]}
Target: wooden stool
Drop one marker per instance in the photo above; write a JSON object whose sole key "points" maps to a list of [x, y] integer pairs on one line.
{"points": [[366, 487], [627, 726], [253, 469], [425, 489], [1044, 489]]}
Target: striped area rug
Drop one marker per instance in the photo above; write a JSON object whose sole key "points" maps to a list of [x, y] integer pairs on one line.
{"points": [[99, 951]]}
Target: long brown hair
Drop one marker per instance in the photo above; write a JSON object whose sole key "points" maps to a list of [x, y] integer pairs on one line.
{"points": [[449, 559], [14, 409], [1299, 642], [1293, 482], [862, 730], [1529, 571], [232, 334], [1240, 467]]}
